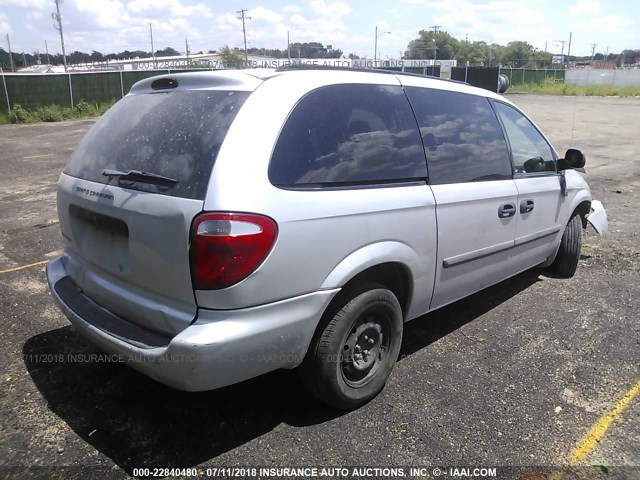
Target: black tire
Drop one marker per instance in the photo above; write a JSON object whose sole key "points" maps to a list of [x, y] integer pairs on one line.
{"points": [[503, 83], [566, 261], [352, 356]]}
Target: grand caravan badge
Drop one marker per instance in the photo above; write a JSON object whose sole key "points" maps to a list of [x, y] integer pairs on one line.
{"points": [[93, 193]]}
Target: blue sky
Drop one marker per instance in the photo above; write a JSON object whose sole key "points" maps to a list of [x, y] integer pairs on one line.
{"points": [[115, 25]]}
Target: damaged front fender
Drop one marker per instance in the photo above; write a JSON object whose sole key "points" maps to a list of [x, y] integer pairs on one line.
{"points": [[598, 218]]}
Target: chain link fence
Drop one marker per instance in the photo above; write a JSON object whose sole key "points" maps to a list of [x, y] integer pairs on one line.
{"points": [[487, 77], [35, 90], [32, 90], [524, 76], [483, 77], [67, 89]]}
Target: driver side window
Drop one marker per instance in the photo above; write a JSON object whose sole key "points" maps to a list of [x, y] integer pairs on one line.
{"points": [[531, 152]]}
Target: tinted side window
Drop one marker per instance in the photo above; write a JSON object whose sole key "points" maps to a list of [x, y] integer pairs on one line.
{"points": [[176, 134], [462, 137], [349, 134], [531, 152]]}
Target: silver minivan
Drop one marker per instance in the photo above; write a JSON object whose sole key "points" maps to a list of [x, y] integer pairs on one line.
{"points": [[221, 225]]}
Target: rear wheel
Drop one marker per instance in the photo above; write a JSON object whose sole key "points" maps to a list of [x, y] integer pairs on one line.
{"points": [[352, 357], [566, 261]]}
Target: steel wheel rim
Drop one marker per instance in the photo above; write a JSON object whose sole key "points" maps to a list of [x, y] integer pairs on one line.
{"points": [[364, 349]]}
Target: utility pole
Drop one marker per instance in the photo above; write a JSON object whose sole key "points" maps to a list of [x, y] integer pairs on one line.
{"points": [[153, 52], [13, 68], [46, 47], [288, 47], [593, 51], [244, 34], [58, 18], [186, 45], [375, 46], [435, 46], [569, 49], [561, 42]]}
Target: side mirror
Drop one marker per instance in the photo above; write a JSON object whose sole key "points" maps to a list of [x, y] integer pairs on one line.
{"points": [[572, 159]]}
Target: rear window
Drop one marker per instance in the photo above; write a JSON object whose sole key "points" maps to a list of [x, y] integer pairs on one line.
{"points": [[175, 134]]}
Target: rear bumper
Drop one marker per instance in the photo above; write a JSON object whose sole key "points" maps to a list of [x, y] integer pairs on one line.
{"points": [[220, 348]]}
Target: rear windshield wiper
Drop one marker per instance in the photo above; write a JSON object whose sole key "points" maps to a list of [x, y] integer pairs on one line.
{"points": [[141, 177]]}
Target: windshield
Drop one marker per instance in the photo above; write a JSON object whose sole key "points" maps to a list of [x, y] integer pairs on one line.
{"points": [[176, 134]]}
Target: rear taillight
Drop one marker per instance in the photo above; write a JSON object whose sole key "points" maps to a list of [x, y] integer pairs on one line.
{"points": [[228, 247]]}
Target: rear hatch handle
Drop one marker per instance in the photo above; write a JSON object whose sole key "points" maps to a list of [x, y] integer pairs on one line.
{"points": [[139, 176]]}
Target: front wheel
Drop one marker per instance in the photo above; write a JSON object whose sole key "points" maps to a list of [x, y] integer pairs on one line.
{"points": [[566, 261], [353, 355]]}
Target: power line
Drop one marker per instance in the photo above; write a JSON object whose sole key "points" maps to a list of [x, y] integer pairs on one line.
{"points": [[244, 33], [562, 42]]}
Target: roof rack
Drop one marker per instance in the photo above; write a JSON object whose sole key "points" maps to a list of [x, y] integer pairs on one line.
{"points": [[292, 67]]}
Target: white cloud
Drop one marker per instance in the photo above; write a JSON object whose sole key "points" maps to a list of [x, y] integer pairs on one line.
{"points": [[226, 22], [335, 9], [291, 9], [30, 4], [329, 27], [5, 27], [35, 16], [499, 21], [323, 24], [600, 25], [116, 25], [299, 21], [584, 7], [105, 14], [173, 7], [261, 14], [203, 10]]}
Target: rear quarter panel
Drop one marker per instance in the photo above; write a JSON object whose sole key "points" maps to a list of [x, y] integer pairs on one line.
{"points": [[318, 229]]}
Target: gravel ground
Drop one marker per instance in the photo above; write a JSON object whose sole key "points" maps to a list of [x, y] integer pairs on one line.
{"points": [[515, 375]]}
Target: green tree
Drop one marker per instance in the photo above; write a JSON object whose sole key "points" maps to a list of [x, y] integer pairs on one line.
{"points": [[167, 52], [475, 53], [77, 57], [541, 59], [518, 54], [231, 58], [313, 50], [423, 46], [5, 62], [630, 56]]}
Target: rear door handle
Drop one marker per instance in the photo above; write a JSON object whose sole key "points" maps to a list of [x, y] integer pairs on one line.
{"points": [[526, 206], [507, 210]]}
